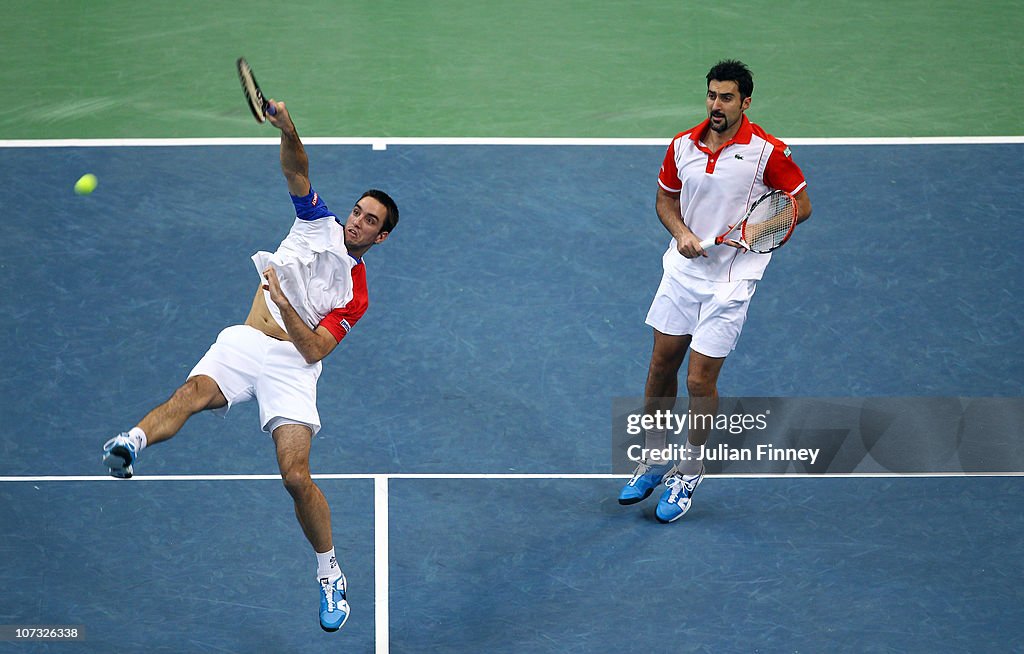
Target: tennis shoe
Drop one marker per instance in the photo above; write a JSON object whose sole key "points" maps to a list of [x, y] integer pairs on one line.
{"points": [[645, 479], [678, 496], [118, 455], [333, 607]]}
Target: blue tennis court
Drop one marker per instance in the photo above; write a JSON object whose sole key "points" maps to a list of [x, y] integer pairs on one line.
{"points": [[507, 312]]}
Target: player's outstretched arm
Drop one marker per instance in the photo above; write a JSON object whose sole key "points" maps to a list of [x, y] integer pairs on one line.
{"points": [[294, 162]]}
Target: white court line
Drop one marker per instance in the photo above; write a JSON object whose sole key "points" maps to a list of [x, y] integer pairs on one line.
{"points": [[382, 142], [382, 575], [383, 477], [381, 581]]}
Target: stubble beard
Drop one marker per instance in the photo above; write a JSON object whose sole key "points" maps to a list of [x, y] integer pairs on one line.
{"points": [[724, 126]]}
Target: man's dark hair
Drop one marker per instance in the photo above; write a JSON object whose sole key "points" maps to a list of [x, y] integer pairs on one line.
{"points": [[731, 70], [391, 219]]}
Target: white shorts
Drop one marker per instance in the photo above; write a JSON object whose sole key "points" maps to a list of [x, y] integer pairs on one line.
{"points": [[247, 364], [713, 312]]}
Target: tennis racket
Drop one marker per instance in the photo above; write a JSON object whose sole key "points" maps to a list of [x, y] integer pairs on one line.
{"points": [[253, 95], [767, 225]]}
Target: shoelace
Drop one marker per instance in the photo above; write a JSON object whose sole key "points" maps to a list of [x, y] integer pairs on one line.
{"points": [[676, 484], [117, 440], [328, 589], [641, 470]]}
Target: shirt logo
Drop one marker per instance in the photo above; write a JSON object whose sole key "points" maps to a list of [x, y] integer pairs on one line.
{"points": [[316, 198], [346, 326], [740, 157], [787, 151]]}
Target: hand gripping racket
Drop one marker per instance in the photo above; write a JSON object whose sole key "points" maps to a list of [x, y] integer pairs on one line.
{"points": [[253, 95], [767, 225]]}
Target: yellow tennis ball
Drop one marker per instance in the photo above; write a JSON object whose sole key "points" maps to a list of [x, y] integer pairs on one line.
{"points": [[86, 184]]}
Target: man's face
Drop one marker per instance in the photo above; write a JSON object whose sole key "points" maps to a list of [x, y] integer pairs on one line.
{"points": [[725, 108], [362, 229]]}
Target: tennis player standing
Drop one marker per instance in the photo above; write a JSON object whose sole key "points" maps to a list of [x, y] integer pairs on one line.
{"points": [[710, 176], [312, 291]]}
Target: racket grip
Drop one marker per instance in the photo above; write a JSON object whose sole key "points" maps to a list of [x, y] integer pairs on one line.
{"points": [[705, 244], [271, 109]]}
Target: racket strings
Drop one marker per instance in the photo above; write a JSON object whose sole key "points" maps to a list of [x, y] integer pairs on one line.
{"points": [[770, 223]]}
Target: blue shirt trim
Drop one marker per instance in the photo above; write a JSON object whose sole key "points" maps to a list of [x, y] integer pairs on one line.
{"points": [[311, 206]]}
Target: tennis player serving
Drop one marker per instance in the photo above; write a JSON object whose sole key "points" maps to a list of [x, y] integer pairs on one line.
{"points": [[312, 292], [711, 175]]}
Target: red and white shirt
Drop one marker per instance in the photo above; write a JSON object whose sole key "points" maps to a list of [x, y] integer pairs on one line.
{"points": [[717, 188], [324, 284], [341, 320]]}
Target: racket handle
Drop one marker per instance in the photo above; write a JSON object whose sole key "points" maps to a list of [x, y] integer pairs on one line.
{"points": [[271, 109], [705, 244]]}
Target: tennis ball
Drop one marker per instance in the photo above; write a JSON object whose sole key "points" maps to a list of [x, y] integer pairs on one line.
{"points": [[86, 184]]}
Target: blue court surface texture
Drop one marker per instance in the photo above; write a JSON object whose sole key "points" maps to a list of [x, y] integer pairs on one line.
{"points": [[507, 310]]}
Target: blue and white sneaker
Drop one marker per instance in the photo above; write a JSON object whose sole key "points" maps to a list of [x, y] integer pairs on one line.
{"points": [[678, 496], [333, 607], [645, 479], [118, 455]]}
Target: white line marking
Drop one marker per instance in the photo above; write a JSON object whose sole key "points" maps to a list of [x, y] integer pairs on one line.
{"points": [[379, 142], [380, 509], [380, 563], [382, 477]]}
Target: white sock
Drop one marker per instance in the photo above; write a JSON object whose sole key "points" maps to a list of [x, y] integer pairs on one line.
{"points": [[327, 565], [689, 465], [138, 438], [655, 441]]}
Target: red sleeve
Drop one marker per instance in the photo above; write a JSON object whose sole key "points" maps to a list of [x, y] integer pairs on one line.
{"points": [[668, 178], [782, 172], [342, 319]]}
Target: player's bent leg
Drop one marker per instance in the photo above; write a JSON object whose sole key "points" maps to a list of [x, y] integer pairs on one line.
{"points": [[702, 388], [311, 508], [196, 394], [663, 371], [659, 394], [314, 515]]}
